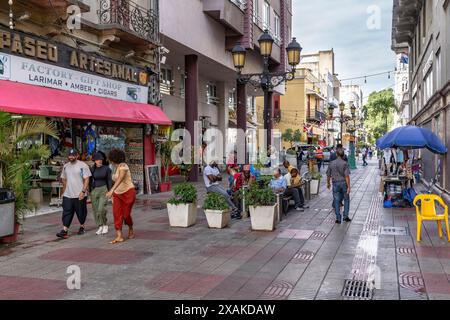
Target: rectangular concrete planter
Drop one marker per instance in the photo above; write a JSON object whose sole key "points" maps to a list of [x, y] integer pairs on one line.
{"points": [[315, 186], [182, 215], [263, 218], [218, 219]]}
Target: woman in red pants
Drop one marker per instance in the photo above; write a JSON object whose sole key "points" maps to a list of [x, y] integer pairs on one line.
{"points": [[123, 193]]}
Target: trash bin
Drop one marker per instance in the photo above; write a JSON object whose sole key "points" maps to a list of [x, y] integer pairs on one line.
{"points": [[7, 220]]}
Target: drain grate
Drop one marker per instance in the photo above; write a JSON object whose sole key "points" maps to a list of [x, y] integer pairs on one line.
{"points": [[404, 251], [303, 257], [318, 235], [357, 290], [394, 231], [278, 290], [412, 281]]}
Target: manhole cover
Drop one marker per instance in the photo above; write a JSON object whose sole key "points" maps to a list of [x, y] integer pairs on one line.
{"points": [[406, 251], [394, 231], [317, 235], [278, 290], [412, 281], [303, 257], [357, 290]]}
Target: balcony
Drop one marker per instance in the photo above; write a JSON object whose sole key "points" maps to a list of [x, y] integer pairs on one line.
{"points": [[404, 20], [228, 12], [316, 117], [129, 21], [58, 4]]}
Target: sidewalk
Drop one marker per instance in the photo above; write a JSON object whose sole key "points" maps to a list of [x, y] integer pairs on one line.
{"points": [[307, 257]]}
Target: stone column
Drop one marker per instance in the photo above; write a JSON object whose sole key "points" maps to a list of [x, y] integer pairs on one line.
{"points": [[241, 111], [191, 103]]}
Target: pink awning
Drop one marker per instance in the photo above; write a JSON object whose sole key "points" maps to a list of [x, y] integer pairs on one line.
{"points": [[34, 100]]}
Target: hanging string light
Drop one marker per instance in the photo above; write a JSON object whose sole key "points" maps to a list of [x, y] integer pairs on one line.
{"points": [[11, 16], [389, 75], [365, 79]]}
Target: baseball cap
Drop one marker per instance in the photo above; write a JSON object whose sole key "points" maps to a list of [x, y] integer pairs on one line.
{"points": [[73, 152]]}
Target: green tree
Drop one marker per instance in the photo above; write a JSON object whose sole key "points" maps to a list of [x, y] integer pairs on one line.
{"points": [[379, 113], [292, 136], [18, 150]]}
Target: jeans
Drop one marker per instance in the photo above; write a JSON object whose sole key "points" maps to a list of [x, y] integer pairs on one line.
{"points": [[218, 189], [99, 202], [364, 161], [70, 207], [339, 193], [294, 192], [319, 164]]}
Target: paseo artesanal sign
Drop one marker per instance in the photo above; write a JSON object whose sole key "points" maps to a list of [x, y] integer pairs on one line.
{"points": [[25, 58]]}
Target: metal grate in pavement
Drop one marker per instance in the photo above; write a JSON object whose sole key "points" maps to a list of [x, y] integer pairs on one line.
{"points": [[412, 281], [303, 257], [404, 251], [318, 235], [278, 290], [393, 231], [357, 290]]}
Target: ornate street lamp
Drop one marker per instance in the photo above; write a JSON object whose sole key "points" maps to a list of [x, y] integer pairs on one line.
{"points": [[267, 80]]}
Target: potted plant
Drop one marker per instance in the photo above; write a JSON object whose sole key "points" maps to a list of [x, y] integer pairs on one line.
{"points": [[182, 207], [217, 210], [315, 182], [17, 151], [165, 152], [262, 203]]}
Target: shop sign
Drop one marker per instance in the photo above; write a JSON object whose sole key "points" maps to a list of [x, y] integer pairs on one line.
{"points": [[25, 45], [15, 68]]}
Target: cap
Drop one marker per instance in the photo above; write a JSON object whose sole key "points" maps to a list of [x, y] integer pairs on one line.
{"points": [[73, 152], [98, 156]]}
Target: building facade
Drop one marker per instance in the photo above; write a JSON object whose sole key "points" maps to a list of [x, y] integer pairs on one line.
{"points": [[198, 80], [89, 67], [422, 30], [401, 90], [350, 94]]}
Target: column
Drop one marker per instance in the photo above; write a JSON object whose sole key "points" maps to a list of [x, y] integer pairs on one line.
{"points": [[191, 103], [241, 110]]}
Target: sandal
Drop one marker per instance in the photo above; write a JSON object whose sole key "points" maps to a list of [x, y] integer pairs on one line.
{"points": [[116, 241], [131, 236]]}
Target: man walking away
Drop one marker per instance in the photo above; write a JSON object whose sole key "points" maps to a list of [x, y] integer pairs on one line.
{"points": [[334, 156], [339, 173], [211, 177], [75, 178], [364, 155], [320, 157]]}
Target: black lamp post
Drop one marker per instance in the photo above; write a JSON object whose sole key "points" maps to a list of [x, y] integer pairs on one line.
{"points": [[266, 80]]}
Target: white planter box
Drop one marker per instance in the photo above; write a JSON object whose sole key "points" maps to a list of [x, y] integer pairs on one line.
{"points": [[182, 215], [263, 218], [315, 186], [218, 219]]}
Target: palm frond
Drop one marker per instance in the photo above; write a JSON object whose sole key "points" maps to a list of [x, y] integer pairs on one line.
{"points": [[27, 128]]}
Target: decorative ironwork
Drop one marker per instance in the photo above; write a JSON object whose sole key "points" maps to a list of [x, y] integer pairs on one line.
{"points": [[132, 17], [266, 80]]}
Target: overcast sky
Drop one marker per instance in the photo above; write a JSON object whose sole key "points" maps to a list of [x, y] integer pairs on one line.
{"points": [[343, 26]]}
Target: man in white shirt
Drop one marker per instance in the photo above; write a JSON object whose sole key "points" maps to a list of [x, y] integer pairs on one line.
{"points": [[75, 178], [212, 177]]}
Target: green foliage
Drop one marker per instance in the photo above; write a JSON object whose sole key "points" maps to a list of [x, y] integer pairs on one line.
{"points": [[260, 196], [183, 193], [316, 176], [166, 152], [379, 114], [215, 201], [17, 151], [292, 136]]}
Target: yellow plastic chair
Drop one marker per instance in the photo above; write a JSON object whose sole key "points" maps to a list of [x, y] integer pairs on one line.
{"points": [[427, 211]]}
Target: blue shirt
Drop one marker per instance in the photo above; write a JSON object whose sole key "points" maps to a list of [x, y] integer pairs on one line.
{"points": [[400, 157], [279, 183]]}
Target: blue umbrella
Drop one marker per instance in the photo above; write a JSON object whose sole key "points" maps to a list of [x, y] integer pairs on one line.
{"points": [[412, 137]]}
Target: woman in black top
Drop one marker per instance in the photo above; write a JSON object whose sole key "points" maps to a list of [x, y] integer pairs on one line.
{"points": [[101, 183]]}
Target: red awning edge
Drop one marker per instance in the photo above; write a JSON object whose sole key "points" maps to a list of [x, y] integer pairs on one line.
{"points": [[35, 100]]}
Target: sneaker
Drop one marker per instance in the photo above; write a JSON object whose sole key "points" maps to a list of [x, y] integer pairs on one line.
{"points": [[304, 206], [347, 219], [338, 221], [81, 231], [63, 234], [99, 231], [299, 209], [236, 216], [105, 230]]}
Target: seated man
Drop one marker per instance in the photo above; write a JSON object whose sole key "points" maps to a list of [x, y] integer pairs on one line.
{"points": [[287, 166], [293, 180], [279, 185], [211, 177]]}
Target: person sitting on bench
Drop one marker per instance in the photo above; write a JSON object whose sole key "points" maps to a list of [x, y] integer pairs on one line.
{"points": [[293, 180], [279, 185]]}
